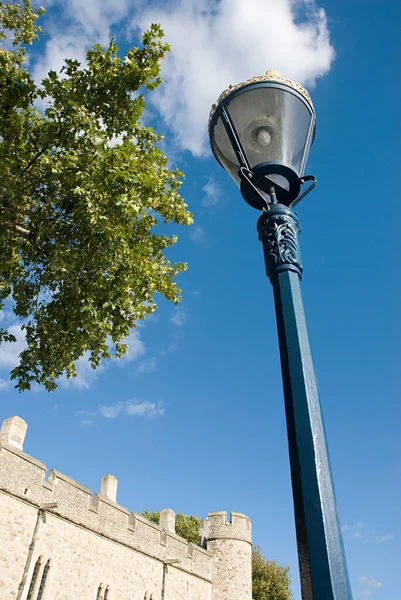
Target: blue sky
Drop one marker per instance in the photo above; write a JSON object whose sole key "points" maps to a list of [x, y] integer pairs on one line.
{"points": [[193, 419]]}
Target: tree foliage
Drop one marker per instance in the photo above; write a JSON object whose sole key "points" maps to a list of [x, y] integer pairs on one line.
{"points": [[269, 580], [83, 185]]}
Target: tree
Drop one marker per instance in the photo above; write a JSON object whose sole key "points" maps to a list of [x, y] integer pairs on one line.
{"points": [[269, 580], [83, 186]]}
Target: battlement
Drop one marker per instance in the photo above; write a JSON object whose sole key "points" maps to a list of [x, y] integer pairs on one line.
{"points": [[25, 478], [217, 527]]}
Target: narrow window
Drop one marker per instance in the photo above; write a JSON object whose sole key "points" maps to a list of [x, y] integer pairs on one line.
{"points": [[99, 595], [42, 586], [106, 593], [35, 575]]}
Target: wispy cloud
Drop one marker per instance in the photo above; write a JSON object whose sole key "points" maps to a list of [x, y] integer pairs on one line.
{"points": [[132, 408], [212, 191], [173, 346], [136, 346], [357, 534], [87, 375], [179, 316], [4, 385], [148, 365], [358, 525], [366, 592], [370, 581], [384, 538], [197, 234], [10, 351], [6, 316]]}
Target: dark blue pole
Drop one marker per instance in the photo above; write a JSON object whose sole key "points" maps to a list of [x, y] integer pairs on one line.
{"points": [[322, 563]]}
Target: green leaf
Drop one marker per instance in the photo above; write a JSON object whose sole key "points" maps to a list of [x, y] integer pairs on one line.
{"points": [[82, 254]]}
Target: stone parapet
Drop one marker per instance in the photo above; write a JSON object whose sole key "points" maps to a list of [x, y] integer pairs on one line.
{"points": [[24, 477], [238, 527]]}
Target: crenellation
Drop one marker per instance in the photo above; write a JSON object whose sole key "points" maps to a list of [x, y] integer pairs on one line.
{"points": [[238, 527], [167, 520], [113, 518], [108, 487], [13, 432], [69, 502]]}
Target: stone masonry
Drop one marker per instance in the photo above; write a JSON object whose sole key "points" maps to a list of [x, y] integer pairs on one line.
{"points": [[60, 542]]}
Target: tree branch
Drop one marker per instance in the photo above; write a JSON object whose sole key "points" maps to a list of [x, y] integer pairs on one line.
{"points": [[33, 160], [17, 228], [32, 213]]}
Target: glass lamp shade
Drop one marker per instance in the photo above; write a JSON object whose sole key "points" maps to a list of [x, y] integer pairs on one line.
{"points": [[266, 127]]}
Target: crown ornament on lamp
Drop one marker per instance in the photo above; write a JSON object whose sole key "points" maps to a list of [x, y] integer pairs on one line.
{"points": [[261, 131]]}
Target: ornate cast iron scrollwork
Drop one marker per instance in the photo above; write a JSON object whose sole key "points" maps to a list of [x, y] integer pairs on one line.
{"points": [[278, 230]]}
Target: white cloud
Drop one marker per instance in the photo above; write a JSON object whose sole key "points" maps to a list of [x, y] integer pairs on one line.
{"points": [[357, 534], [173, 346], [216, 43], [366, 592], [97, 16], [87, 375], [370, 581], [358, 525], [6, 316], [197, 234], [144, 409], [81, 25], [136, 346], [10, 351], [71, 44], [111, 412], [384, 538], [212, 191], [148, 365], [179, 316], [131, 408], [4, 385]]}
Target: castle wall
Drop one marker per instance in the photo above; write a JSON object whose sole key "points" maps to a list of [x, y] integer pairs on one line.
{"points": [[91, 540], [17, 522]]}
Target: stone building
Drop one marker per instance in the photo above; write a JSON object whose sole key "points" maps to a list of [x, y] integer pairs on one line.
{"points": [[60, 542]]}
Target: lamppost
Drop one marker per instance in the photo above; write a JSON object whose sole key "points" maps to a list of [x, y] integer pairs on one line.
{"points": [[261, 132]]}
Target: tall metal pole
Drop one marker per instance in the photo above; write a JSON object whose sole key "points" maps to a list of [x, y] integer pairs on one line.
{"points": [[322, 563]]}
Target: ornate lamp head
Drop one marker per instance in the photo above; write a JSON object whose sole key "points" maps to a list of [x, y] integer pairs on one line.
{"points": [[261, 132]]}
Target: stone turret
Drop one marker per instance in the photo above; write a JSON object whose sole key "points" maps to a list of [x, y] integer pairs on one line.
{"points": [[231, 545]]}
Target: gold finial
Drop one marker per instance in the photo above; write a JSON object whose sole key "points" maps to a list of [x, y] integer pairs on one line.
{"points": [[271, 75]]}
